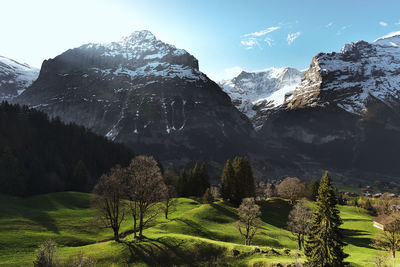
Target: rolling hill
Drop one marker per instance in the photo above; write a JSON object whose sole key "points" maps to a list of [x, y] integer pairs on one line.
{"points": [[194, 235]]}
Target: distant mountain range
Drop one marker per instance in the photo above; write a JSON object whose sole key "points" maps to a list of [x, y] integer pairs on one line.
{"points": [[15, 78], [340, 114], [254, 93]]}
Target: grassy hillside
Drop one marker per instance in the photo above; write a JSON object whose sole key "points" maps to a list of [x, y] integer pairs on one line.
{"points": [[194, 233]]}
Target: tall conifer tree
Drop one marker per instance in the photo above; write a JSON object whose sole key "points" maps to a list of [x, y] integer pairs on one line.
{"points": [[227, 181], [238, 185], [204, 180], [324, 246], [249, 184], [182, 184]]}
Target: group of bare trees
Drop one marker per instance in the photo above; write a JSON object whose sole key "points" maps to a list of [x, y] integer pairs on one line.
{"points": [[48, 256], [136, 190], [292, 188]]}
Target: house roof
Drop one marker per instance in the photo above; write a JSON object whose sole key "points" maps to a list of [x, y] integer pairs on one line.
{"points": [[383, 219]]}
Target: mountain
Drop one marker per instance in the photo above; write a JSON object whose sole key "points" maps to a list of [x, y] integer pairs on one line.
{"points": [[344, 114], [349, 79], [145, 93], [15, 78], [254, 93]]}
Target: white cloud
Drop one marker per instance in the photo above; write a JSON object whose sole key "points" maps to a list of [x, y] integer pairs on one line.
{"points": [[329, 24], [250, 43], [398, 23], [382, 23], [263, 32], [339, 32], [269, 41], [292, 36], [251, 40]]}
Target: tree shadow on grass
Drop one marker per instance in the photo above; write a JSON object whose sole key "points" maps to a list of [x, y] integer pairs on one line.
{"points": [[197, 229], [352, 237], [36, 214], [169, 252], [275, 212], [226, 212]]}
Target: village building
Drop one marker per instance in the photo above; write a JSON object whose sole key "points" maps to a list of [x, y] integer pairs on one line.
{"points": [[382, 221]]}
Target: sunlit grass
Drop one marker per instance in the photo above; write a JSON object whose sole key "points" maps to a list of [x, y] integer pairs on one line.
{"points": [[194, 232]]}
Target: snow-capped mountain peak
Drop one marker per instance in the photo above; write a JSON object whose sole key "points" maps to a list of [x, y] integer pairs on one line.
{"points": [[140, 45], [349, 79], [15, 77], [261, 90], [391, 39]]}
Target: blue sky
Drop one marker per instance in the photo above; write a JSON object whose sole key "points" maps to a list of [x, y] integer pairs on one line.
{"points": [[225, 36]]}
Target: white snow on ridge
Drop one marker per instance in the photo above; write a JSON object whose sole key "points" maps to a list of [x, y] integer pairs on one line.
{"points": [[16, 77], [391, 39], [146, 56], [270, 86], [25, 74], [139, 43], [361, 70], [162, 69]]}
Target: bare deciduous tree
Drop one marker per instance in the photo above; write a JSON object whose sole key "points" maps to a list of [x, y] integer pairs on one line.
{"points": [[47, 255], [384, 204], [380, 260], [389, 239], [300, 222], [290, 188], [80, 260], [108, 200], [249, 221], [170, 180], [269, 190], [144, 187]]}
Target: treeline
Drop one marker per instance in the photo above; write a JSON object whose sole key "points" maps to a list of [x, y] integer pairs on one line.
{"points": [[40, 155], [193, 182], [237, 181]]}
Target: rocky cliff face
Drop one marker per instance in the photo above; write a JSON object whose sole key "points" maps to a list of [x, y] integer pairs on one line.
{"points": [[349, 79], [345, 112], [144, 93], [15, 78], [255, 93]]}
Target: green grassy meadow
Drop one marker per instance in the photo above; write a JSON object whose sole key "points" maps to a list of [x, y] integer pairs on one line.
{"points": [[194, 235]]}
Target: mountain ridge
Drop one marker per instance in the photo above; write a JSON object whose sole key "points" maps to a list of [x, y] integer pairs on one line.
{"points": [[15, 77], [144, 93]]}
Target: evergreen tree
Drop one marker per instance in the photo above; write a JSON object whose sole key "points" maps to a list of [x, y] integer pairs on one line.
{"points": [[238, 190], [80, 176], [248, 179], [227, 181], [182, 184], [312, 189], [11, 179], [324, 245], [243, 185], [194, 181], [204, 180], [208, 197]]}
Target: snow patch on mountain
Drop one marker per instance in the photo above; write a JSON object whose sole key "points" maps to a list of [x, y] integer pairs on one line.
{"points": [[348, 79], [270, 87], [141, 54], [15, 77], [391, 39]]}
